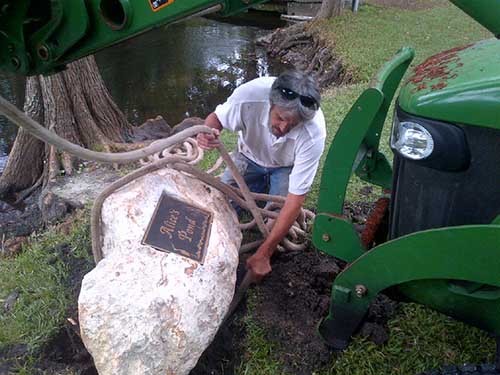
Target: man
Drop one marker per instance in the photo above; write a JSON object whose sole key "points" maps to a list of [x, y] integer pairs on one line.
{"points": [[281, 139]]}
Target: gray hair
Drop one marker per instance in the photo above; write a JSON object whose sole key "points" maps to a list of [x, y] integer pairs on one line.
{"points": [[301, 84]]}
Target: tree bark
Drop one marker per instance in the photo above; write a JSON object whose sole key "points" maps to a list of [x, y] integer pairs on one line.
{"points": [[25, 163], [329, 9], [76, 105]]}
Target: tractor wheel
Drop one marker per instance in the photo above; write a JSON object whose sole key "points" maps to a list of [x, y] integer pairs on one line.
{"points": [[467, 369]]}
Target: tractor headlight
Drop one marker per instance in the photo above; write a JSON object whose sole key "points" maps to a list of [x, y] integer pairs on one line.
{"points": [[430, 143], [411, 140]]}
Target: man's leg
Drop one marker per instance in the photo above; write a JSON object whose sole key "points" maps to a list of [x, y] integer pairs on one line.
{"points": [[255, 176], [278, 182], [278, 185]]}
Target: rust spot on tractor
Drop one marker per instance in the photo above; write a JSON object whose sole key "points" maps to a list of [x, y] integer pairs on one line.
{"points": [[437, 67], [439, 86], [422, 86]]}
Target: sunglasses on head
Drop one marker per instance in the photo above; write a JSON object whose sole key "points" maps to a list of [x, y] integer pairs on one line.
{"points": [[306, 101]]}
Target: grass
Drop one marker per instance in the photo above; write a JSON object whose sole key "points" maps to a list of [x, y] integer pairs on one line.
{"points": [[260, 355], [420, 339], [335, 104], [367, 39], [229, 140], [40, 275]]}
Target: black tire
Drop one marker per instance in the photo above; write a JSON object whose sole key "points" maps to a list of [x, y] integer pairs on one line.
{"points": [[466, 369]]}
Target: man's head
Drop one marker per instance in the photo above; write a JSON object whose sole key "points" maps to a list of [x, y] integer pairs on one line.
{"points": [[295, 98]]}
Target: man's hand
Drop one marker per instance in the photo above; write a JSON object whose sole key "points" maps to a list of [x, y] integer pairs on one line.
{"points": [[209, 141], [260, 265], [260, 262]]}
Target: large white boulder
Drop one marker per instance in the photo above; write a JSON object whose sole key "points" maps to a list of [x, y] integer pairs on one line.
{"points": [[143, 311]]}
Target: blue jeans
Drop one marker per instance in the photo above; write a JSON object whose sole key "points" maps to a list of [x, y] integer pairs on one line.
{"points": [[273, 181]]}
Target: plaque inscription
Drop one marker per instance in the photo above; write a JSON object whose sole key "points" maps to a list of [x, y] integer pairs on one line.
{"points": [[179, 227]]}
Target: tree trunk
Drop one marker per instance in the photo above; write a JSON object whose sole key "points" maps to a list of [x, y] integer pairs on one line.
{"points": [[27, 153], [76, 105], [329, 9]]}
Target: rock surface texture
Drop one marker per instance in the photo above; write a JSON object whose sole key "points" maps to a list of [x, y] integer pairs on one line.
{"points": [[144, 311]]}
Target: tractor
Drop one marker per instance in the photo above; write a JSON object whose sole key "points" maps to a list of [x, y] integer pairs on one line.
{"points": [[441, 239], [440, 245]]}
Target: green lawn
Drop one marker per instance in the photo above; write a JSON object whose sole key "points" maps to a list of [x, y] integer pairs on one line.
{"points": [[367, 39], [420, 339], [41, 275]]}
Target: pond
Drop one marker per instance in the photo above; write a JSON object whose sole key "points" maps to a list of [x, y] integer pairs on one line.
{"points": [[177, 71]]}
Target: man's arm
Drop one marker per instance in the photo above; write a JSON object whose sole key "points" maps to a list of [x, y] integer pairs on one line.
{"points": [[259, 263], [210, 141]]}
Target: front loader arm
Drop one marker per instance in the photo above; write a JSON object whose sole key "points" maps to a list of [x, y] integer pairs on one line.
{"points": [[41, 36], [355, 148], [465, 253]]}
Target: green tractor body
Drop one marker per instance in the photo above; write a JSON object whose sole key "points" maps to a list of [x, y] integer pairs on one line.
{"points": [[42, 36], [443, 238], [460, 86]]}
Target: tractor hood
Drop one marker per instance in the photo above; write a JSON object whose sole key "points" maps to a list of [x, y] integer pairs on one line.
{"points": [[486, 12], [461, 85]]}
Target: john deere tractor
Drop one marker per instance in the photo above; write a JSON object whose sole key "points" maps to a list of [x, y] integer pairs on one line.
{"points": [[441, 247]]}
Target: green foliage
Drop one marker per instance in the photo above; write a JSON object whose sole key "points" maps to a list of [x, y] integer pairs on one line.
{"points": [[419, 339], [368, 39], [259, 353], [36, 275]]}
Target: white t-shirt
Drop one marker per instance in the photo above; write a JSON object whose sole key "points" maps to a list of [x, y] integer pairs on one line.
{"points": [[247, 111]]}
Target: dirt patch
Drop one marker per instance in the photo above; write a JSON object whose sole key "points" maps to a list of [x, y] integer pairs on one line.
{"points": [[20, 220], [224, 354], [292, 301]]}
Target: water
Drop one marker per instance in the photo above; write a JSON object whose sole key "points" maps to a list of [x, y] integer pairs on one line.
{"points": [[177, 71]]}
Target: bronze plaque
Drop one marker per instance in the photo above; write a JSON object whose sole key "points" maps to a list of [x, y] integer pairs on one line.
{"points": [[180, 228]]}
